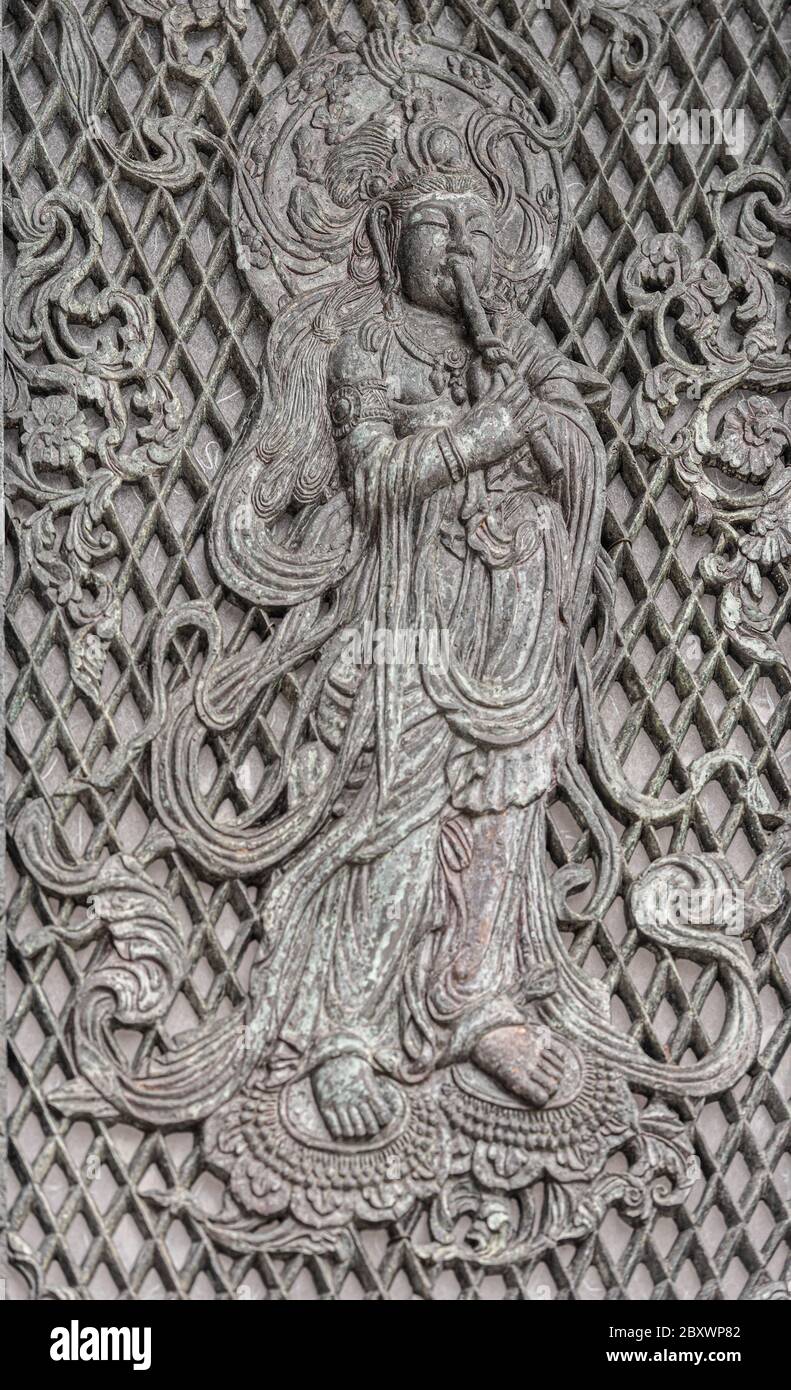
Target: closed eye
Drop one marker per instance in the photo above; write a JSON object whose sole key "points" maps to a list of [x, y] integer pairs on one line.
{"points": [[436, 221]]}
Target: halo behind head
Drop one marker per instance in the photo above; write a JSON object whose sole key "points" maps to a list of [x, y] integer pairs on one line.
{"points": [[392, 119]]}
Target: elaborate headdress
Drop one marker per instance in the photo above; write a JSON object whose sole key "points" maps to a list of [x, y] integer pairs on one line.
{"points": [[395, 115]]}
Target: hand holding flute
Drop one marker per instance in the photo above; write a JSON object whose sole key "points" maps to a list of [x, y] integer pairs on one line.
{"points": [[520, 410]]}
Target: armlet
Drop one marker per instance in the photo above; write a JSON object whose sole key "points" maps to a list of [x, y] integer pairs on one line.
{"points": [[351, 402]]}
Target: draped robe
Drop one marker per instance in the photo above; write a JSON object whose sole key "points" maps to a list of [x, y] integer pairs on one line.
{"points": [[502, 567], [361, 920]]}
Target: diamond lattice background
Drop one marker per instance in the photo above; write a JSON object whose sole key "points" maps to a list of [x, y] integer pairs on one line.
{"points": [[75, 1188]]}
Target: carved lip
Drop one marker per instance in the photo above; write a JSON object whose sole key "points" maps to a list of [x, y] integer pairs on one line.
{"points": [[300, 1117], [477, 1083]]}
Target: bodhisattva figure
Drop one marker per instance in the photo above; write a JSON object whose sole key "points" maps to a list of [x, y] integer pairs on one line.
{"points": [[418, 498], [474, 481], [415, 420], [471, 470]]}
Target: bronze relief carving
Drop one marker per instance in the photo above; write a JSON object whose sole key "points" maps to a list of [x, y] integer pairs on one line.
{"points": [[415, 506]]}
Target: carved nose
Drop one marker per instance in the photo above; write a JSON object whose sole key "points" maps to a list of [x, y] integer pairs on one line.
{"points": [[460, 251]]}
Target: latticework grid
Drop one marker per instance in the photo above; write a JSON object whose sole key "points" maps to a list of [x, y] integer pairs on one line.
{"points": [[76, 1189]]}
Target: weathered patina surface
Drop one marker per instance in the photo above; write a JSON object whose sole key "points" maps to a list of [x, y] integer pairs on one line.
{"points": [[386, 905]]}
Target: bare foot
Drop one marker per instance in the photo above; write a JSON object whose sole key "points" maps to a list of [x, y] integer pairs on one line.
{"points": [[527, 1059], [351, 1101]]}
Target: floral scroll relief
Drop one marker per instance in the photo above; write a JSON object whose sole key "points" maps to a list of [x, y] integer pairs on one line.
{"points": [[635, 29], [66, 470], [178, 18], [97, 345], [142, 957], [716, 322]]}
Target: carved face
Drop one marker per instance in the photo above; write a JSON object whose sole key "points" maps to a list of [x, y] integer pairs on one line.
{"points": [[441, 226]]}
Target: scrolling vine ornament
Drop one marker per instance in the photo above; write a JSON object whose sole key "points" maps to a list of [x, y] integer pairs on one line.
{"points": [[717, 325], [180, 17], [97, 346], [635, 27], [416, 1030]]}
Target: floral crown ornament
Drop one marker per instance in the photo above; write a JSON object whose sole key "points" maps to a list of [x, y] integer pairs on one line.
{"points": [[395, 116]]}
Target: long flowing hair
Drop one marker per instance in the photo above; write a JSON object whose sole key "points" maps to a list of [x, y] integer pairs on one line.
{"points": [[293, 434]]}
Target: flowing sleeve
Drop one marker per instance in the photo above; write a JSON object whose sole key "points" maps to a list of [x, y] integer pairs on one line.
{"points": [[384, 481], [565, 390]]}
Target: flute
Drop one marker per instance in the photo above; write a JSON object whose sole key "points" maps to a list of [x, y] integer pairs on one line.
{"points": [[502, 362]]}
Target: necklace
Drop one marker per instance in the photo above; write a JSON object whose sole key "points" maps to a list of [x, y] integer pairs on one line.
{"points": [[448, 367]]}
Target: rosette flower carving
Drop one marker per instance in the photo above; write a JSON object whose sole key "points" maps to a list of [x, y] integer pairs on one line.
{"points": [[54, 434], [752, 439]]}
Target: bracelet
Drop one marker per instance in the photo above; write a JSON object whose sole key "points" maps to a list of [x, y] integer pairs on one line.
{"points": [[452, 456]]}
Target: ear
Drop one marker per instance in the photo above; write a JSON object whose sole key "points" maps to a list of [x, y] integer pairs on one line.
{"points": [[381, 229]]}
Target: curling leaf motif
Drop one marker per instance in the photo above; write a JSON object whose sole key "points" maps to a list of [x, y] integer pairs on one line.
{"points": [[724, 353], [96, 346]]}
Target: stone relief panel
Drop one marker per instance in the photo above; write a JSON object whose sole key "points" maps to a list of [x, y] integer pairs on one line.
{"points": [[397, 450]]}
